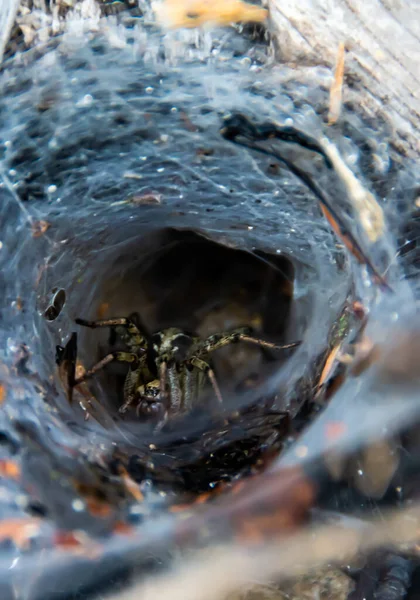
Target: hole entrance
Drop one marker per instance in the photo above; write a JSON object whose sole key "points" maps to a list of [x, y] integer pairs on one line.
{"points": [[181, 279]]}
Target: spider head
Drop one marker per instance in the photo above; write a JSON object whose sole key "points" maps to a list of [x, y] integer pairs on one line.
{"points": [[171, 345]]}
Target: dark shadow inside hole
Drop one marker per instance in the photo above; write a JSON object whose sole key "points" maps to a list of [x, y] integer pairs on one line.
{"points": [[181, 279]]}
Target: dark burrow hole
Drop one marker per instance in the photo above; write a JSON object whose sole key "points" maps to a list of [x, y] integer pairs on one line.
{"points": [[181, 279]]}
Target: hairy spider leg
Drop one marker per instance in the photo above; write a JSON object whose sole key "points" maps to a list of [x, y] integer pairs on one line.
{"points": [[168, 376], [216, 341], [264, 344], [117, 356], [175, 394], [200, 364], [190, 387], [134, 337], [130, 384], [163, 368]]}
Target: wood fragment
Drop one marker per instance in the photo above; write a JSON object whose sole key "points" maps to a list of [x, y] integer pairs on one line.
{"points": [[195, 13], [382, 63], [326, 371], [2, 393]]}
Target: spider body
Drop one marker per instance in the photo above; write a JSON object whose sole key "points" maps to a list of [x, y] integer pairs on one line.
{"points": [[167, 371]]}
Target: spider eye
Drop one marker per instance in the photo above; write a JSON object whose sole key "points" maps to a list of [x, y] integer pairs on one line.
{"points": [[152, 391]]}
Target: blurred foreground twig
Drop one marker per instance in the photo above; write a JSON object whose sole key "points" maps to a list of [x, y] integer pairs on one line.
{"points": [[216, 573]]}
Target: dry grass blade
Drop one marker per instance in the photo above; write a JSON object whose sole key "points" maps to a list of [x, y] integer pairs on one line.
{"points": [[332, 358], [370, 213], [336, 92]]}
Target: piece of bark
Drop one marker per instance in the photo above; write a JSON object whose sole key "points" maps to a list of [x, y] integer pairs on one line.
{"points": [[382, 39], [7, 17]]}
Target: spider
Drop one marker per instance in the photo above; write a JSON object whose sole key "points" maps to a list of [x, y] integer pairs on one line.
{"points": [[164, 375]]}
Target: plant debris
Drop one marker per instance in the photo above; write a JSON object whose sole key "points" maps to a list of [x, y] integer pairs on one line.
{"points": [[195, 13]]}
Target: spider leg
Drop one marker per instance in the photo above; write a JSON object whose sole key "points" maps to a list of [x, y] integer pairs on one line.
{"points": [[137, 339], [264, 344], [123, 322], [201, 365], [216, 341], [190, 388], [129, 389], [163, 369], [118, 356], [175, 389]]}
